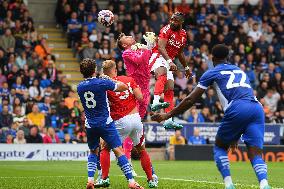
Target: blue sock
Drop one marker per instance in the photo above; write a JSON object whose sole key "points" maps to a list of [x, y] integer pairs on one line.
{"points": [[125, 167], [259, 167], [222, 161], [99, 163], [153, 171], [92, 165]]}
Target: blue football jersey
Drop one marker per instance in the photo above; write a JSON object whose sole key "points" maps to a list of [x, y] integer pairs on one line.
{"points": [[93, 96], [230, 82]]}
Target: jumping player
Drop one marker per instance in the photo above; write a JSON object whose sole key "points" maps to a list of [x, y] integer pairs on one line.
{"points": [[244, 115], [172, 39], [124, 111], [92, 93]]}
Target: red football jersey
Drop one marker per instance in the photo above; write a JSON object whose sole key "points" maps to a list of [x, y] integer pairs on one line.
{"points": [[176, 40], [122, 103]]}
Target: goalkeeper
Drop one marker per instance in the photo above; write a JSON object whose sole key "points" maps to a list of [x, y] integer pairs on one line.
{"points": [[136, 59]]}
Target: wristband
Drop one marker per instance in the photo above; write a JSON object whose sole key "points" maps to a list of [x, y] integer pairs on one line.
{"points": [[186, 68], [169, 61]]}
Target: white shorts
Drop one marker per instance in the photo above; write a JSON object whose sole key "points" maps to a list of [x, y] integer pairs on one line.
{"points": [[160, 62], [130, 125]]}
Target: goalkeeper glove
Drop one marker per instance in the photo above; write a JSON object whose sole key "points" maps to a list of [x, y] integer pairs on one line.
{"points": [[150, 39], [138, 46]]}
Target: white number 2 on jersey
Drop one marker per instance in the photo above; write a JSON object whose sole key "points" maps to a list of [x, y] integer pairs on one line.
{"points": [[231, 84], [90, 101]]}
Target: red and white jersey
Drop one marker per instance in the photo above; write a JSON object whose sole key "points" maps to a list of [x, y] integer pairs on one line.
{"points": [[176, 40], [122, 103]]}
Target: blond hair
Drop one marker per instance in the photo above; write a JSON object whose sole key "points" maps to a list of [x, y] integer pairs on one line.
{"points": [[108, 65]]}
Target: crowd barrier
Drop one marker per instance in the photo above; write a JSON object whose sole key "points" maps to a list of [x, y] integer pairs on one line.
{"points": [[156, 134], [44, 152]]}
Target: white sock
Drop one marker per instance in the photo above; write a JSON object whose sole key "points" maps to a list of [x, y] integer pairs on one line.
{"points": [[99, 172], [90, 179], [156, 99], [131, 180], [228, 181], [263, 183]]}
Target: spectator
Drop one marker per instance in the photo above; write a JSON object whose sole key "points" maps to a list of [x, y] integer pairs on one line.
{"points": [[90, 51], [271, 99], [196, 138], [62, 109], [180, 80], [21, 60], [255, 33], [6, 119], [195, 117], [65, 87], [9, 139], [4, 90], [20, 138], [51, 136], [225, 11], [45, 106], [176, 139], [69, 101], [36, 118], [18, 117], [105, 51], [3, 79], [25, 127], [74, 26], [35, 91], [42, 49], [68, 140], [7, 40], [34, 136], [90, 24], [21, 90]]}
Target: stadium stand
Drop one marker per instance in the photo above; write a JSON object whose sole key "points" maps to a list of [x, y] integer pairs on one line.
{"points": [[34, 92]]}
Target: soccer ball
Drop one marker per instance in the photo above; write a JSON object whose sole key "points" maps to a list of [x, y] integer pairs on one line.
{"points": [[105, 18]]}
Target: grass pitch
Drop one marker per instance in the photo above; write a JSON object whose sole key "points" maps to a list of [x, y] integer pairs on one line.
{"points": [[172, 175]]}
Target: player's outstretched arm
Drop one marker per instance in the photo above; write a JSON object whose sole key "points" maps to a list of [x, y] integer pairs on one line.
{"points": [[183, 62], [162, 49], [187, 103], [138, 94], [120, 86]]}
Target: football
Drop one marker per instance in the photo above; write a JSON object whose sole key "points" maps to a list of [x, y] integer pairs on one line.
{"points": [[106, 18]]}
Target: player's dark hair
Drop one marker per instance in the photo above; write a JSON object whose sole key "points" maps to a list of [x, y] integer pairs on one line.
{"points": [[87, 67], [178, 15], [118, 42], [220, 52]]}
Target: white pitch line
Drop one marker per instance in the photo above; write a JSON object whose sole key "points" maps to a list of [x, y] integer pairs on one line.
{"points": [[164, 178]]}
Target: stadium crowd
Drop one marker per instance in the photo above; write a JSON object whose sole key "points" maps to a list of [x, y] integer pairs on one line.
{"points": [[38, 105]]}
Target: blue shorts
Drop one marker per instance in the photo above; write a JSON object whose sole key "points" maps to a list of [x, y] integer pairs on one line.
{"points": [[107, 132], [243, 118]]}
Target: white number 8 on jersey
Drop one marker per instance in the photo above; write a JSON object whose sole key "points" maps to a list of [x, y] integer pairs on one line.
{"points": [[90, 101]]}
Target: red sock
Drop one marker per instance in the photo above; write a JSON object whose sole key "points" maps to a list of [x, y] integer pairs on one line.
{"points": [[169, 97], [105, 162], [160, 85], [146, 164]]}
